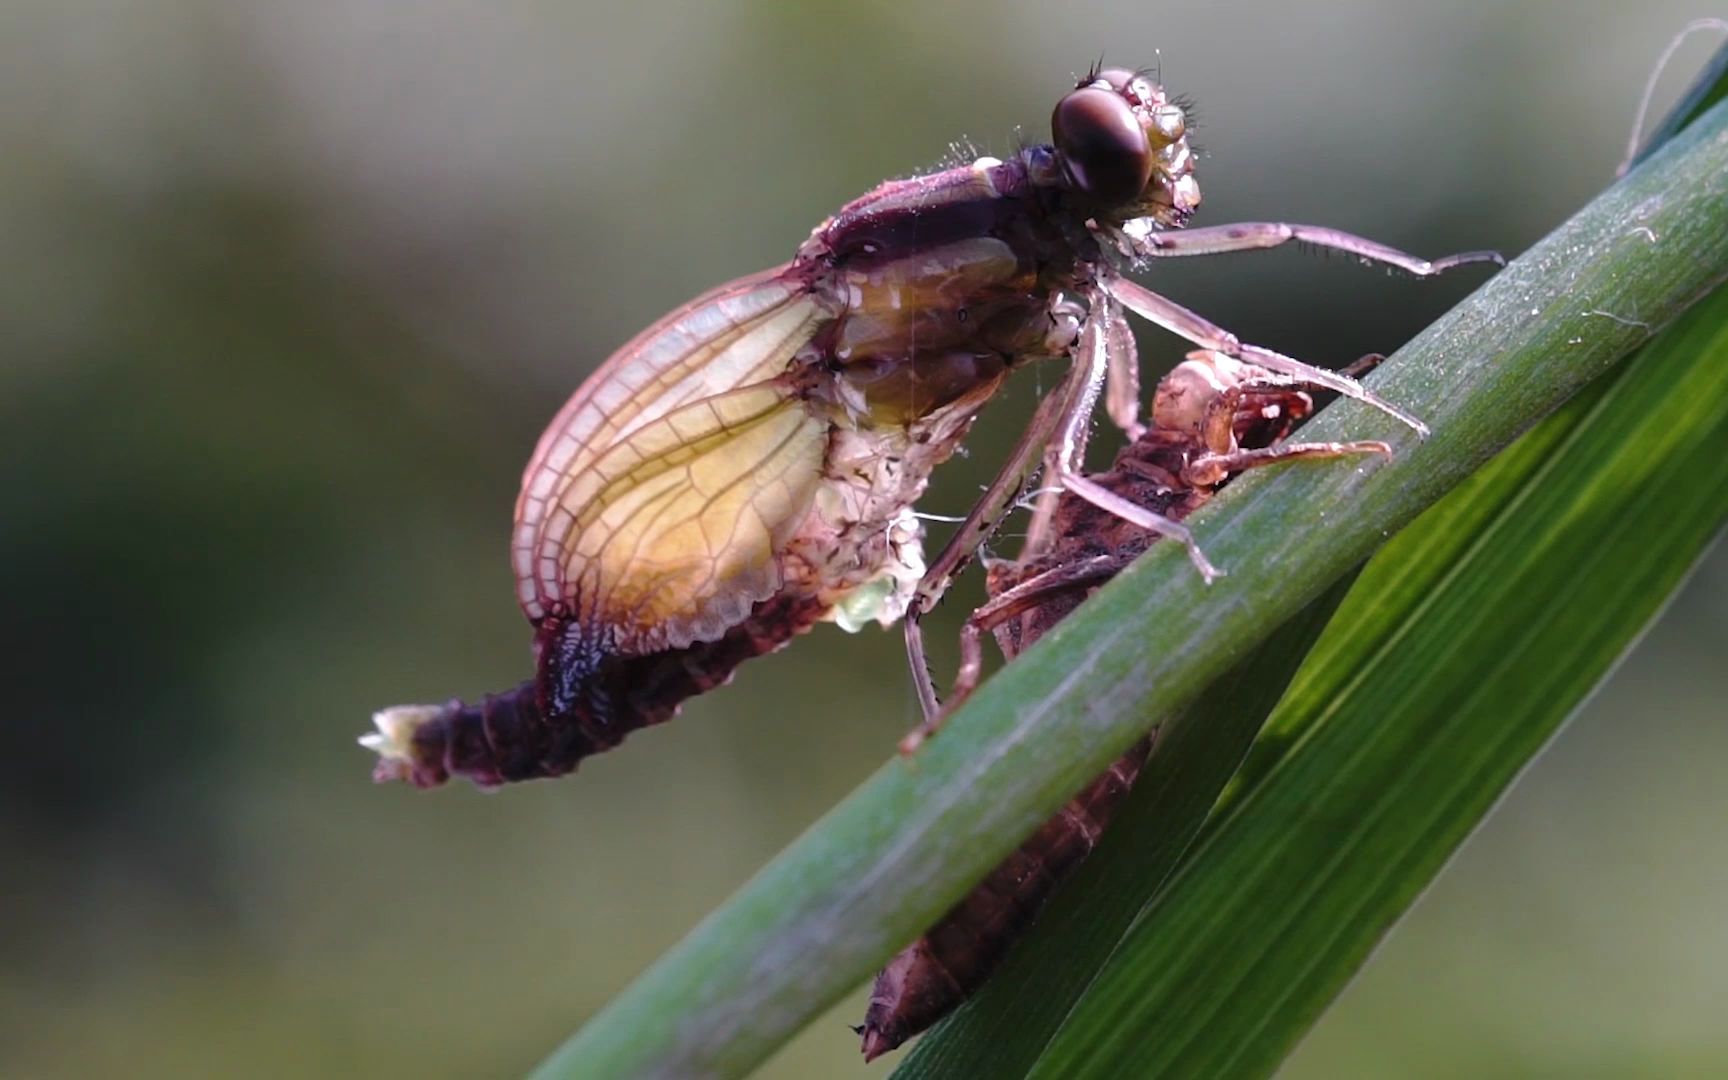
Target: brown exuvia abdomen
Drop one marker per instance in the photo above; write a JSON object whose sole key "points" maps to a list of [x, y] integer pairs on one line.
{"points": [[953, 958]]}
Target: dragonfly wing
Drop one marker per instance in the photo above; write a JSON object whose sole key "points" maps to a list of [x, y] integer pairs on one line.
{"points": [[681, 525], [656, 503]]}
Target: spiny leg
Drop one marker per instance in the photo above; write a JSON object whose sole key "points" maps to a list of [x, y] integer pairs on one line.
{"points": [[1121, 404], [1091, 362], [1245, 396], [1282, 391], [1063, 415], [1201, 331], [1285, 397], [997, 499], [1121, 379], [980, 522], [1259, 235], [1209, 466], [999, 609], [1040, 526]]}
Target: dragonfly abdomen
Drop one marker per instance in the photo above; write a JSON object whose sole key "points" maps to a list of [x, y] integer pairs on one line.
{"points": [[582, 700]]}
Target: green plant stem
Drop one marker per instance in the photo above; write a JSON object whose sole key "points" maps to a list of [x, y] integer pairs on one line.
{"points": [[889, 859], [1470, 639]]}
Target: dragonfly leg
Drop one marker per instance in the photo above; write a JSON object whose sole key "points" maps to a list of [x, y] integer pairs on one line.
{"points": [[1070, 445], [1027, 595], [1203, 332], [1246, 402], [980, 522], [1210, 468], [1267, 408], [1122, 386], [1041, 523], [996, 501], [1259, 235], [1362, 365], [1264, 402], [919, 663]]}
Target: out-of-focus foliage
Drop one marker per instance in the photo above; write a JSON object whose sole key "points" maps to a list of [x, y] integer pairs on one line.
{"points": [[290, 288]]}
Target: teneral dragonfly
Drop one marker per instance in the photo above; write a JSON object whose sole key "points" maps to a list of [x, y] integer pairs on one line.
{"points": [[1212, 418], [746, 467]]}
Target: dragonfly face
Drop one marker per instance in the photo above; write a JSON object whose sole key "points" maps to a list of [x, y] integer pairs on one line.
{"points": [[746, 467]]}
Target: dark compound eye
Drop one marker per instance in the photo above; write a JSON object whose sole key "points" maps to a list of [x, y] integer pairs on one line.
{"points": [[1102, 144]]}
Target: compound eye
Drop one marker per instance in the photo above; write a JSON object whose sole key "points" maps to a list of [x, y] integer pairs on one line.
{"points": [[1103, 145]]}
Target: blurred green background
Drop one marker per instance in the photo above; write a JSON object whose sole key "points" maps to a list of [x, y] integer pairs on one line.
{"points": [[289, 290]]}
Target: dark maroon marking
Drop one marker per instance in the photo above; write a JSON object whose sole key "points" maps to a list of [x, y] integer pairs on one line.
{"points": [[905, 217], [584, 700]]}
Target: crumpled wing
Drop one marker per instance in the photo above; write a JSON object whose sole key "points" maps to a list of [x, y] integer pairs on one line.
{"points": [[659, 498], [681, 524]]}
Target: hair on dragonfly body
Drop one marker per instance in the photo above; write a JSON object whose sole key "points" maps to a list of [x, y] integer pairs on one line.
{"points": [[746, 467]]}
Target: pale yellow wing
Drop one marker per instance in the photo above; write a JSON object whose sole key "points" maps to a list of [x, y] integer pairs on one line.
{"points": [[681, 524], [657, 501]]}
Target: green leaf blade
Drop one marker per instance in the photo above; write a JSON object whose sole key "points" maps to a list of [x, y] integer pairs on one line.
{"points": [[1401, 757]]}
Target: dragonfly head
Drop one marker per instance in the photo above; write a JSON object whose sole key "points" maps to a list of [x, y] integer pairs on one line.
{"points": [[1124, 146]]}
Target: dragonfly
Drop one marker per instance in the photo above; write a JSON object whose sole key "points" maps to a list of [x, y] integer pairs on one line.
{"points": [[1213, 418], [746, 467]]}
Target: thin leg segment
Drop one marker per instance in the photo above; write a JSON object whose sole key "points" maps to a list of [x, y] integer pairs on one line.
{"points": [[919, 661], [1061, 422], [1091, 363], [1259, 235], [999, 497], [1007, 605], [1362, 365], [1073, 392], [1203, 332], [1240, 461]]}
